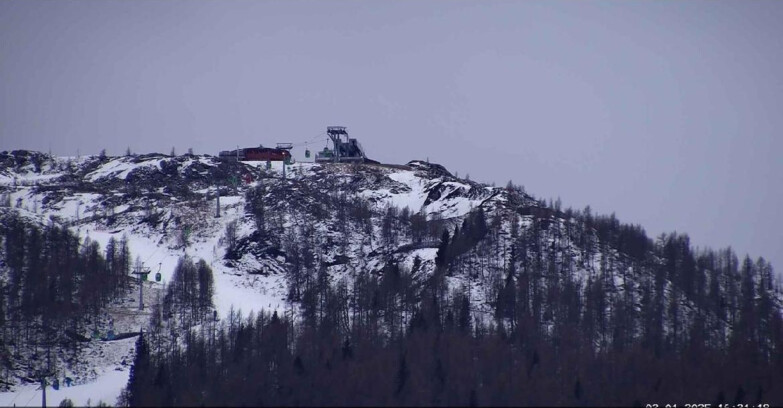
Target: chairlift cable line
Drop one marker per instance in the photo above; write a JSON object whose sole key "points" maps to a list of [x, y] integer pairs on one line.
{"points": [[311, 140], [17, 396], [31, 398], [153, 253], [316, 136]]}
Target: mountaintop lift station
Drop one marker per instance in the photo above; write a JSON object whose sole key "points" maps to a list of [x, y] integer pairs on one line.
{"points": [[346, 149]]}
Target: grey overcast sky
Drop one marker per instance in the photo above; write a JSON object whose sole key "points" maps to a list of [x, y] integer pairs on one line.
{"points": [[667, 113]]}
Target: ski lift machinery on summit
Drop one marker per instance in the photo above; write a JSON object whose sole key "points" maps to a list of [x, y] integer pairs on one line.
{"points": [[344, 149]]}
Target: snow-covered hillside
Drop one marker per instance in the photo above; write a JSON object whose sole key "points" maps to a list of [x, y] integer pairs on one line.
{"points": [[346, 219], [154, 200], [166, 208]]}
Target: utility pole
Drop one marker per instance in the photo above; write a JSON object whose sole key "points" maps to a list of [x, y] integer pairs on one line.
{"points": [[44, 369], [43, 390], [42, 374], [239, 167], [217, 205], [142, 272]]}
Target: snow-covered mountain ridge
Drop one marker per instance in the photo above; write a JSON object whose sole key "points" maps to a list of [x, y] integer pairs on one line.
{"points": [[166, 205], [158, 200], [277, 227]]}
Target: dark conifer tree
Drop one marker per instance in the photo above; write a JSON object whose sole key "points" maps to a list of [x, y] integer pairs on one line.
{"points": [[141, 367]]}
